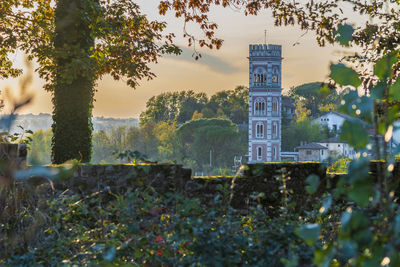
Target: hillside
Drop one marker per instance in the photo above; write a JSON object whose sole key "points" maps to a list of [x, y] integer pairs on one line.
{"points": [[43, 121]]}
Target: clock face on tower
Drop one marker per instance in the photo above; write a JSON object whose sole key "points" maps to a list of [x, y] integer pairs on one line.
{"points": [[275, 74]]}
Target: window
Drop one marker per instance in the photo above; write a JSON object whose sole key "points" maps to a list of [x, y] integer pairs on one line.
{"points": [[259, 153], [260, 107], [308, 152], [274, 129], [275, 74], [259, 76], [334, 127], [275, 106], [338, 145], [260, 130], [274, 153], [322, 152]]}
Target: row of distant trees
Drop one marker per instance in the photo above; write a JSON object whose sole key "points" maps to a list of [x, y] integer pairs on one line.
{"points": [[187, 127], [181, 127]]}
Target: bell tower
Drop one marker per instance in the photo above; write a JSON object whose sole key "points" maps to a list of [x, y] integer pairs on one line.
{"points": [[265, 96]]}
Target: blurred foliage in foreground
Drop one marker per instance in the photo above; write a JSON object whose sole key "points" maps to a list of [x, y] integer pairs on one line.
{"points": [[145, 228]]}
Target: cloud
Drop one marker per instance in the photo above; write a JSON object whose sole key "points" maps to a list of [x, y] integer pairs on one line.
{"points": [[212, 62]]}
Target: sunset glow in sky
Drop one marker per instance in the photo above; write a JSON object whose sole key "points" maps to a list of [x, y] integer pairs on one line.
{"points": [[217, 70]]}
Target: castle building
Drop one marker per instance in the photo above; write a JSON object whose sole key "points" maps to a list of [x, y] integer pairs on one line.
{"points": [[265, 97]]}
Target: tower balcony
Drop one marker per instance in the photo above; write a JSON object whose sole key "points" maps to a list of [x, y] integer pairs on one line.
{"points": [[260, 114], [259, 84]]}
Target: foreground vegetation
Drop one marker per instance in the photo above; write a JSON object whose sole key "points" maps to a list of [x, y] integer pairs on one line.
{"points": [[143, 227]]}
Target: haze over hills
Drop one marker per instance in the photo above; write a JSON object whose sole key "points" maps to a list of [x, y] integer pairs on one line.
{"points": [[43, 121]]}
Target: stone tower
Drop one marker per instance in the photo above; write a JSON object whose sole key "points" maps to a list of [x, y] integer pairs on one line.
{"points": [[265, 95]]}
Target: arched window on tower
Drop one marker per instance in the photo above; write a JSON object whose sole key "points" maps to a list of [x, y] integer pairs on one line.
{"points": [[259, 130], [260, 76], [259, 153], [275, 105], [260, 107], [275, 130]]}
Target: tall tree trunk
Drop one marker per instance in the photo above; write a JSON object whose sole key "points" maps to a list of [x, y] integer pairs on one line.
{"points": [[74, 83]]}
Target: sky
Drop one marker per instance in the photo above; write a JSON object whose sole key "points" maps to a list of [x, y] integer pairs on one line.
{"points": [[304, 61]]}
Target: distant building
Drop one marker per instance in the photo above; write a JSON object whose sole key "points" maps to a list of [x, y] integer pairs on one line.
{"points": [[312, 152], [334, 120], [337, 148], [288, 107], [265, 97]]}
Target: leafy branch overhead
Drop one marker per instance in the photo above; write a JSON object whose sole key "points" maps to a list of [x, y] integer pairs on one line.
{"points": [[125, 40]]}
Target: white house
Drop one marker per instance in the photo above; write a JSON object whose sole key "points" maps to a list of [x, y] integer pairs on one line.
{"points": [[338, 148], [334, 120]]}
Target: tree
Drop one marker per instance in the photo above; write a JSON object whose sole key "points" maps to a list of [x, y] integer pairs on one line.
{"points": [[220, 136], [207, 113], [302, 131], [197, 115], [171, 106], [234, 103], [102, 148], [313, 97], [40, 147], [75, 43], [181, 106], [74, 82], [143, 139], [168, 148], [302, 113]]}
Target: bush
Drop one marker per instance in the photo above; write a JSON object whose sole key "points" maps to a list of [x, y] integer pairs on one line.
{"points": [[144, 227]]}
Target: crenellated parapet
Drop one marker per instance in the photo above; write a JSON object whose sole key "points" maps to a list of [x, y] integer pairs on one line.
{"points": [[263, 50]]}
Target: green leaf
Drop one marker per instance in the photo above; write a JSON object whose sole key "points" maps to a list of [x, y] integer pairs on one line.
{"points": [[361, 193], [323, 257], [377, 92], [344, 75], [355, 134], [326, 204], [358, 171], [344, 34], [383, 67], [309, 233], [110, 254], [357, 106], [396, 226], [312, 182], [394, 90]]}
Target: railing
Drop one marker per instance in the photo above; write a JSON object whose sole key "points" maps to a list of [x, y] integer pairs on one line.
{"points": [[260, 114], [259, 84]]}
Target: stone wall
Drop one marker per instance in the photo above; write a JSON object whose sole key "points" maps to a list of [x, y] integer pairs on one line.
{"points": [[89, 178], [266, 178]]}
